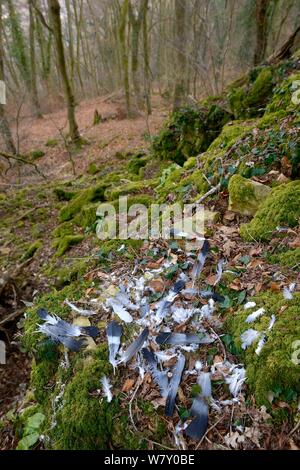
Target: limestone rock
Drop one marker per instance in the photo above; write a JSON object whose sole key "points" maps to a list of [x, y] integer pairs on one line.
{"points": [[245, 196]]}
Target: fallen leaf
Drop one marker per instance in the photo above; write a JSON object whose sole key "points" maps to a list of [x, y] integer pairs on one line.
{"points": [[129, 383]]}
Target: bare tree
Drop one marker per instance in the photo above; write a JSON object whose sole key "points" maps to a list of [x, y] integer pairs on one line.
{"points": [[54, 11], [181, 59], [261, 13], [4, 126]]}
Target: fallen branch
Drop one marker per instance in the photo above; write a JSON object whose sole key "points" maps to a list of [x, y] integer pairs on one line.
{"points": [[21, 159]]}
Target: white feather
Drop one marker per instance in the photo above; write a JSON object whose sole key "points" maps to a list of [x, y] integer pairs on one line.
{"points": [[248, 337], [180, 314], [235, 380], [208, 310], [106, 388], [255, 315], [249, 305], [84, 313], [119, 310], [272, 322], [288, 291], [261, 344]]}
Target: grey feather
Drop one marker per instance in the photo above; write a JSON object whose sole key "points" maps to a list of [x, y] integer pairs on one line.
{"points": [[52, 332], [114, 333], [134, 347], [159, 377], [198, 427], [198, 266], [182, 339], [174, 384]]}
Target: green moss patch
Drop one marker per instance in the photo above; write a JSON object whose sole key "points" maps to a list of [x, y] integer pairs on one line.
{"points": [[272, 373], [95, 193], [280, 208], [289, 258]]}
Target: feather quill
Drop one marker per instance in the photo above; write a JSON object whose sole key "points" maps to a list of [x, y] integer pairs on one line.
{"points": [[134, 347], [174, 384], [114, 333], [159, 377]]}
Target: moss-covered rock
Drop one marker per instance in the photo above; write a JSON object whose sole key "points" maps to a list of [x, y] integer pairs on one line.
{"points": [[281, 207], [138, 187], [189, 132], [272, 373], [64, 195], [230, 134], [31, 250], [95, 193], [283, 94], [65, 243], [245, 196]]}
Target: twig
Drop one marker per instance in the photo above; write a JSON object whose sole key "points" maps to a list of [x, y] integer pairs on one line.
{"points": [[209, 429], [158, 444], [212, 191], [130, 404], [295, 428]]}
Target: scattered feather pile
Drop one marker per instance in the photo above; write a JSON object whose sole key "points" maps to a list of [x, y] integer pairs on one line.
{"points": [[60, 331]]}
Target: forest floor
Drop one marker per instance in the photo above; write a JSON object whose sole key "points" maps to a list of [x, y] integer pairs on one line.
{"points": [[115, 135], [27, 219]]}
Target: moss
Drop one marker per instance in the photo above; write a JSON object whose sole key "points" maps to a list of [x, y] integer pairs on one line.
{"points": [[281, 207], [66, 228], [245, 196], [131, 188], [63, 195], [271, 119], [93, 169], [260, 91], [289, 258], [139, 161], [31, 250], [282, 97], [190, 163], [95, 193], [43, 369], [273, 370], [85, 422], [65, 243], [230, 134], [189, 132], [236, 99], [52, 143], [183, 185], [36, 154], [111, 247]]}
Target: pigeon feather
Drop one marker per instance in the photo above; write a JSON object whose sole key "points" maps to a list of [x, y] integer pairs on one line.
{"points": [[106, 388], [114, 333], [134, 347], [174, 384], [119, 310], [159, 377], [178, 339]]}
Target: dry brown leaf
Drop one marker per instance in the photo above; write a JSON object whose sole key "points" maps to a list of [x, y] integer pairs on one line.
{"points": [[157, 285], [129, 383]]}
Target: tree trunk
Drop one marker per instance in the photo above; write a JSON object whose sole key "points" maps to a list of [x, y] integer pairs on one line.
{"points": [[261, 13], [136, 24], [146, 59], [54, 10], [181, 62], [33, 85], [124, 54], [4, 127]]}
